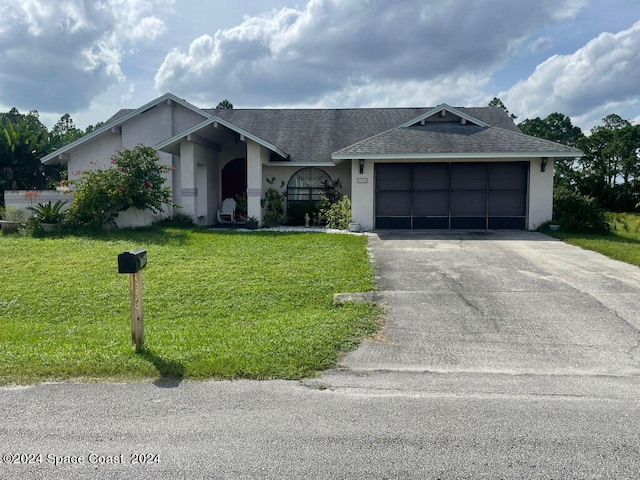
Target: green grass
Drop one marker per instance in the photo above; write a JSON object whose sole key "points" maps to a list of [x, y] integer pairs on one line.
{"points": [[216, 305], [622, 244]]}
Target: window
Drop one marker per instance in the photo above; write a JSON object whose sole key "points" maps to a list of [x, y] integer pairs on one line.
{"points": [[307, 185]]}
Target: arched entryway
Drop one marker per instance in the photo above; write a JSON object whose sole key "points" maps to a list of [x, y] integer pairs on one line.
{"points": [[234, 178]]}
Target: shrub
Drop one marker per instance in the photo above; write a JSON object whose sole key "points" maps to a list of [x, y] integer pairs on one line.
{"points": [[274, 205], [177, 220], [135, 180], [338, 215], [579, 213], [48, 212]]}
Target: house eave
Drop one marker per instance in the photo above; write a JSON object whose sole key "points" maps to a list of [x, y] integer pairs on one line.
{"points": [[300, 164], [430, 156]]}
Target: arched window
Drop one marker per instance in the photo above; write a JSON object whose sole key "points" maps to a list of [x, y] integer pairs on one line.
{"points": [[306, 185]]}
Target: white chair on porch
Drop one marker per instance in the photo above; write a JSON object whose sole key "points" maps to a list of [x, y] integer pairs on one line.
{"points": [[227, 211]]}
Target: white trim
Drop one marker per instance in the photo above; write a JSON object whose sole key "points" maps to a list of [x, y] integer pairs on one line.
{"points": [[300, 164], [418, 156], [439, 110]]}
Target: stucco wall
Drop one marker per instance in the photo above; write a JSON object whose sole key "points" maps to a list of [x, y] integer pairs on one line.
{"points": [[183, 119], [94, 154], [362, 194], [540, 193]]}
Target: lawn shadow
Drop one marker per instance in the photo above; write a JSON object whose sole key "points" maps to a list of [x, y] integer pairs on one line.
{"points": [[171, 372], [149, 235]]}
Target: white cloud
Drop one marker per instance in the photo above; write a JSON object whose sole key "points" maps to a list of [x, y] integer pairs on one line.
{"points": [[58, 55], [463, 90], [596, 80], [296, 56]]}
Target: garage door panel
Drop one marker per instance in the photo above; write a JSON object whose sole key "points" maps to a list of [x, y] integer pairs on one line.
{"points": [[468, 203], [507, 203], [431, 176], [393, 177], [469, 223], [431, 203], [508, 176], [468, 176], [393, 203]]}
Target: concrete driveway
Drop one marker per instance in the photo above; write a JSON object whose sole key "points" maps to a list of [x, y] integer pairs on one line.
{"points": [[501, 303]]}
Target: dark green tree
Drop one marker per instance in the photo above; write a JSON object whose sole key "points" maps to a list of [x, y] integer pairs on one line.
{"points": [[496, 102], [64, 132], [23, 141], [610, 168], [556, 127], [92, 128], [225, 105]]}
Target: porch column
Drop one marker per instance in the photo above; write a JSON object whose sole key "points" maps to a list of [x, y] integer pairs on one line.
{"points": [[254, 179], [188, 186]]}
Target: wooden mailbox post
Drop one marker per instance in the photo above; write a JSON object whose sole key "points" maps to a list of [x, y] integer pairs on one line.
{"points": [[132, 262]]}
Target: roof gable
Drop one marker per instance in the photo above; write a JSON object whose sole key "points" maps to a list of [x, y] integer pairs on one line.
{"points": [[444, 113], [169, 145], [117, 120]]}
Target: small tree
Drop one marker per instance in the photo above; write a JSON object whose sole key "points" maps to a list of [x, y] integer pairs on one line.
{"points": [[134, 180]]}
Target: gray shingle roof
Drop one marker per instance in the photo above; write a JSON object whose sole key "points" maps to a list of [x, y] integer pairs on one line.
{"points": [[313, 135], [453, 138]]}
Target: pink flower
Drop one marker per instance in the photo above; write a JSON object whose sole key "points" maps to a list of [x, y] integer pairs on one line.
{"points": [[147, 184], [113, 161], [173, 168], [63, 183], [122, 169], [78, 172], [121, 188]]}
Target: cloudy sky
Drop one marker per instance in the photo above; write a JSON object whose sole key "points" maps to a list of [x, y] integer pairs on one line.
{"points": [[90, 58]]}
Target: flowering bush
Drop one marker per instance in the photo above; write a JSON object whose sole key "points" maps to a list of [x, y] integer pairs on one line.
{"points": [[135, 180]]}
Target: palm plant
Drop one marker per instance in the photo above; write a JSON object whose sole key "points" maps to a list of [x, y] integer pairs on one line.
{"points": [[47, 212]]}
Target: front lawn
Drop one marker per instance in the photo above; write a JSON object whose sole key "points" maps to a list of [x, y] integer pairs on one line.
{"points": [[623, 244], [216, 304]]}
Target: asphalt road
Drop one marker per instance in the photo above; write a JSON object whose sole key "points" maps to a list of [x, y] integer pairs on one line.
{"points": [[484, 378]]}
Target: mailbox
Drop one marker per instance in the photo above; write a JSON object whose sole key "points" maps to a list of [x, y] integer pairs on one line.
{"points": [[132, 262]]}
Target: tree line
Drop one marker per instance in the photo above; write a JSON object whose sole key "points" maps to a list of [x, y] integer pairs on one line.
{"points": [[24, 140], [609, 170]]}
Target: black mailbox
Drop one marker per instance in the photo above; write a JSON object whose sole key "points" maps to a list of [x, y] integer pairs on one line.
{"points": [[132, 262]]}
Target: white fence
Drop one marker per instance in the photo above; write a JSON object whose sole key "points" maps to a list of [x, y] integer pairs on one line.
{"points": [[21, 199]]}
